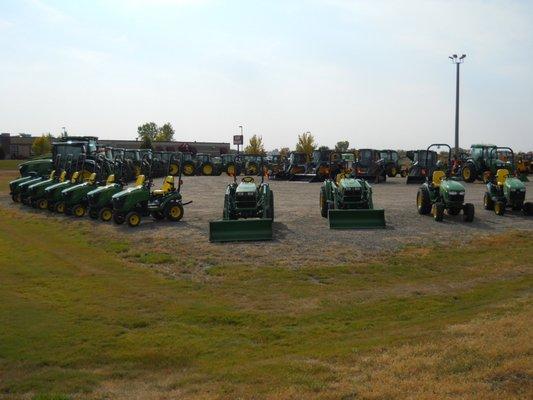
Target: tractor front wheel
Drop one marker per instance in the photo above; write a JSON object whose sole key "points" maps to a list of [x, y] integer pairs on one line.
{"points": [[423, 203], [488, 203], [119, 218], [528, 208], [438, 211], [174, 212], [59, 207], [133, 218], [323, 203], [42, 204], [79, 210], [499, 208], [106, 214], [392, 172], [517, 206], [468, 212], [468, 173]]}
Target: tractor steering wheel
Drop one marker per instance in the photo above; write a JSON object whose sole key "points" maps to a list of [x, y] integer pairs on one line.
{"points": [[248, 179]]}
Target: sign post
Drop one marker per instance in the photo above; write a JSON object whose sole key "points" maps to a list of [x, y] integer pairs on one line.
{"points": [[238, 140]]}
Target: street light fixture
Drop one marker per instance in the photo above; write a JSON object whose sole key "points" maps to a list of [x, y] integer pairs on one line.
{"points": [[457, 61]]}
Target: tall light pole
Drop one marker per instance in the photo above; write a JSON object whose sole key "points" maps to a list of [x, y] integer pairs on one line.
{"points": [[457, 61]]}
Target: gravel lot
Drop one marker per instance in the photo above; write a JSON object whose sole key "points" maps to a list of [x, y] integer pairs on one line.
{"points": [[301, 235]]}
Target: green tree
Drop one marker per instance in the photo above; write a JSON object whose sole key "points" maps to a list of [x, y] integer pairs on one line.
{"points": [[323, 148], [42, 145], [165, 133], [146, 143], [284, 152], [148, 131], [342, 146], [306, 143], [255, 146]]}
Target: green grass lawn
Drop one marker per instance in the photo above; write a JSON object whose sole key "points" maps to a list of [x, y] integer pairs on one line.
{"points": [[82, 318]]}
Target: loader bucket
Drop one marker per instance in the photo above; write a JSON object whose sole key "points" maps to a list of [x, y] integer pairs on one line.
{"points": [[240, 230], [356, 219]]}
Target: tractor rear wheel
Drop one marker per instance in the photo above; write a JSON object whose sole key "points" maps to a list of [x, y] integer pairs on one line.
{"points": [[188, 168], [423, 203], [42, 204], [207, 169], [106, 214], [499, 208], [59, 207], [468, 212], [488, 203], [528, 208], [79, 210], [392, 172], [133, 218], [158, 215], [252, 169], [174, 169], [438, 211], [323, 203], [119, 218], [469, 173], [517, 206], [174, 212]]}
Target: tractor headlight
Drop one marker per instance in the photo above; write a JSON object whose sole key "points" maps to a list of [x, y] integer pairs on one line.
{"points": [[522, 190], [455, 193]]}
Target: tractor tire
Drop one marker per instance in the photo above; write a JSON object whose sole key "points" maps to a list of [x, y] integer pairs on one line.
{"points": [[232, 170], [174, 169], [528, 208], [119, 218], [468, 173], [468, 212], [252, 169], [59, 207], [15, 198], [423, 203], [42, 204], [207, 169], [189, 169], [499, 208], [79, 210], [174, 211], [93, 214], [323, 203], [106, 215], [488, 203], [270, 212], [517, 206], [454, 211], [392, 172], [158, 215], [438, 211], [133, 218]]}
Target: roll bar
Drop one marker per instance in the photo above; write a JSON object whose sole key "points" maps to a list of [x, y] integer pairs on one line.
{"points": [[438, 145]]}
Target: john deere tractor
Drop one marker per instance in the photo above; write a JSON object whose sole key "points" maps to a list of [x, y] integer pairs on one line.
{"points": [[391, 161], [229, 165], [248, 211], [440, 193], [423, 162], [483, 163], [370, 166], [347, 203], [323, 165], [505, 190], [133, 203]]}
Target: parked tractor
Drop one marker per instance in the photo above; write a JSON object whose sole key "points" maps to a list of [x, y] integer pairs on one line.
{"points": [[391, 161], [423, 162], [505, 190], [440, 193], [229, 165], [133, 203], [370, 166], [276, 165], [324, 164], [188, 164], [347, 202], [205, 165], [483, 163], [248, 211]]}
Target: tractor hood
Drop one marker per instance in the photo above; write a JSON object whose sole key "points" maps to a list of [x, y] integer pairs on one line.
{"points": [[513, 183], [76, 187], [101, 189], [349, 183], [128, 191], [451, 186], [246, 187]]}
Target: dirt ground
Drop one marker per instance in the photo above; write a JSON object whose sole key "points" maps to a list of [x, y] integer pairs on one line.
{"points": [[301, 235]]}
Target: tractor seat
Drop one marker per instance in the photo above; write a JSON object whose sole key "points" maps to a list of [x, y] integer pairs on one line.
{"points": [[92, 179], [501, 176], [110, 179], [168, 185], [140, 180], [74, 177], [340, 177], [438, 176], [62, 176], [248, 179]]}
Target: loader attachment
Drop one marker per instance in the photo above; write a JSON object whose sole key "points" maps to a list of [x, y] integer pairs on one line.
{"points": [[302, 177], [240, 230], [356, 219]]}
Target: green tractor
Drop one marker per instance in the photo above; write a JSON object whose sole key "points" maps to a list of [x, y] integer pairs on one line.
{"points": [[19, 187], [440, 193], [324, 164], [505, 190], [423, 161], [188, 164], [99, 200], [392, 162], [133, 203], [370, 166], [248, 211], [206, 165], [483, 163], [346, 201], [229, 165]]}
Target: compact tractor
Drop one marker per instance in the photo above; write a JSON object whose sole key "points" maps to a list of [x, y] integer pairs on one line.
{"points": [[248, 211], [423, 161], [276, 165], [370, 166], [206, 165], [440, 193], [505, 190], [324, 164], [391, 161], [229, 165], [133, 203], [483, 163]]}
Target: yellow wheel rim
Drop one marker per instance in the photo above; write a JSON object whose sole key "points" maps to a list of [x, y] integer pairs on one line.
{"points": [[80, 211], [208, 169], [188, 169], [134, 220], [43, 204], [175, 211], [253, 170], [497, 208], [434, 210], [137, 171], [174, 169], [107, 215], [393, 171], [61, 208], [231, 170], [419, 200], [466, 173]]}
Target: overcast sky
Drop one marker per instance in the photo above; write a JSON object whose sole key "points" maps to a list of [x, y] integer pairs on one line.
{"points": [[373, 72]]}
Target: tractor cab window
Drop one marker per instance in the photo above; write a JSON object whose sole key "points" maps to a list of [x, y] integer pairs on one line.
{"points": [[65, 149], [477, 153], [394, 156], [366, 157], [298, 158], [385, 155], [423, 158]]}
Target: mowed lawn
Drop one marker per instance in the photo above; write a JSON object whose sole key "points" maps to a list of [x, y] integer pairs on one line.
{"points": [[82, 318]]}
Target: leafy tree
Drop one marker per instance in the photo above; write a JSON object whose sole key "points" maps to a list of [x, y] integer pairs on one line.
{"points": [[148, 131], [284, 152], [42, 145], [165, 133], [306, 143], [342, 146], [146, 143], [255, 146], [323, 148]]}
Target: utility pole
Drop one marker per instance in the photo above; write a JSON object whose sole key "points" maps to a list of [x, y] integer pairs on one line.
{"points": [[457, 61]]}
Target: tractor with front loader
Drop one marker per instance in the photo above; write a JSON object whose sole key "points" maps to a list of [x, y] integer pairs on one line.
{"points": [[391, 161], [248, 211], [440, 193], [133, 203], [370, 166], [324, 164], [484, 162], [423, 162], [505, 190], [347, 202]]}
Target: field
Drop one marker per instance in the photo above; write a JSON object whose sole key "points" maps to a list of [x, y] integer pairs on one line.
{"points": [[419, 310]]}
